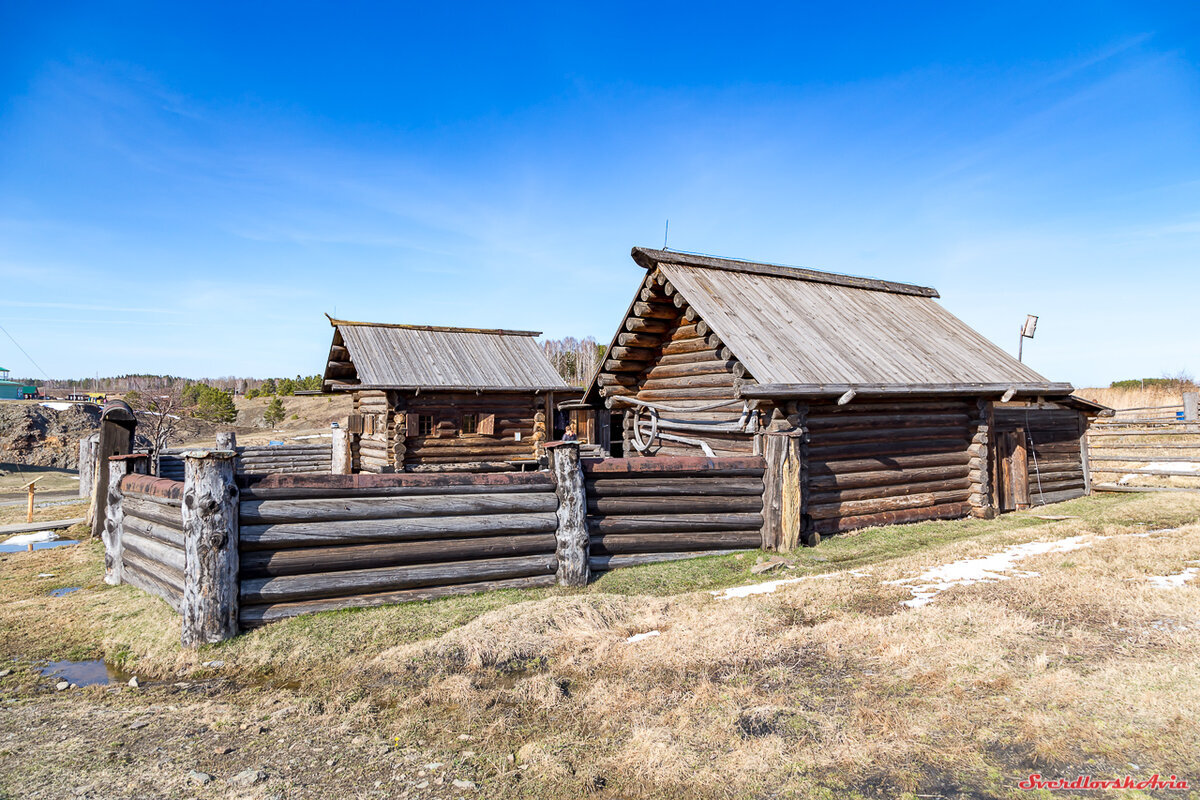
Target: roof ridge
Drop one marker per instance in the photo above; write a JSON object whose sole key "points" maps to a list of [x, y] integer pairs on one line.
{"points": [[649, 258], [435, 328]]}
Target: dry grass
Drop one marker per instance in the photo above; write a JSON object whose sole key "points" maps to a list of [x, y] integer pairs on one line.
{"points": [[1132, 398], [827, 687]]}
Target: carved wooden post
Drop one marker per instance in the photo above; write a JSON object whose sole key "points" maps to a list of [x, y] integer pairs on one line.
{"points": [[88, 447], [114, 548], [572, 533], [341, 449], [210, 531]]}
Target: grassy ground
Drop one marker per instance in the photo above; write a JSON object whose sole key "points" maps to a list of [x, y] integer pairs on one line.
{"points": [[15, 476], [827, 687]]}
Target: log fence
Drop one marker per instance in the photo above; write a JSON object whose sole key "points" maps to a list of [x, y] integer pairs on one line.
{"points": [[1147, 444], [260, 460], [233, 551]]}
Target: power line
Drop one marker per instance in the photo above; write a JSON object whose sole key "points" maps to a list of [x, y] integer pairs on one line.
{"points": [[22, 349]]}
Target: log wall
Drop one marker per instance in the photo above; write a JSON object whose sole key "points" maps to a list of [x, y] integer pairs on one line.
{"points": [[518, 428], [667, 354], [152, 536], [1053, 448], [371, 451], [261, 459], [877, 463], [315, 543], [641, 510]]}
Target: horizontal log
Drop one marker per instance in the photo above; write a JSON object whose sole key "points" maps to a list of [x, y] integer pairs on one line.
{"points": [[306, 493], [389, 579], [654, 486], [534, 480], [303, 560], [706, 466], [152, 512], [1118, 487], [890, 463], [688, 504], [643, 325], [631, 353], [1142, 471], [263, 512], [839, 450], [674, 542], [819, 495], [692, 357], [639, 340], [174, 504], [716, 393], [674, 523], [845, 422], [692, 369], [153, 530], [142, 574], [1155, 458], [856, 508], [606, 563], [839, 524], [706, 381], [1057, 496], [832, 438], [311, 534], [698, 344], [253, 616], [153, 550], [624, 366], [149, 484], [655, 311]]}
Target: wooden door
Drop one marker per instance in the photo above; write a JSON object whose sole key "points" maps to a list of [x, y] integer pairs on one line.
{"points": [[1011, 471]]}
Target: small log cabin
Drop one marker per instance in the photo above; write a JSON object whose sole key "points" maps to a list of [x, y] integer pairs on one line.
{"points": [[891, 408], [441, 399]]}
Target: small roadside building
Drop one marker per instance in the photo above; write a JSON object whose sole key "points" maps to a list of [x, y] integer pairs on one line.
{"points": [[442, 399], [886, 407]]}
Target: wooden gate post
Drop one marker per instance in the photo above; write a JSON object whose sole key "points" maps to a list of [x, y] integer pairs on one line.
{"points": [[114, 518], [572, 533], [117, 424], [210, 539], [1191, 406], [227, 440], [88, 447], [341, 449]]}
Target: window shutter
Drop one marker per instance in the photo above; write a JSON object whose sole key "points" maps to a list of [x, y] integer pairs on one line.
{"points": [[411, 424], [487, 424], [354, 423]]}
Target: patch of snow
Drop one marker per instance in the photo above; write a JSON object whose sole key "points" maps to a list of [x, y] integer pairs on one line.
{"points": [[986, 569], [770, 586], [637, 637], [1175, 581], [1164, 466], [32, 538], [57, 406], [312, 436]]}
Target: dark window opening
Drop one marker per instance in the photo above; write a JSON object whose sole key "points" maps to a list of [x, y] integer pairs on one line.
{"points": [[470, 423], [425, 425]]}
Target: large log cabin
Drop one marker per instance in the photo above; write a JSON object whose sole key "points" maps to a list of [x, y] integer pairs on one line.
{"points": [[432, 398], [884, 406]]}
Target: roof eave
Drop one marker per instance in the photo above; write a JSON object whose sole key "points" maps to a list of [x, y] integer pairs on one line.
{"points": [[781, 390]]}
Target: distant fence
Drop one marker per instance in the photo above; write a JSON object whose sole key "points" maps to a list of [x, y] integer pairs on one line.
{"points": [[1139, 445], [233, 551], [259, 460]]}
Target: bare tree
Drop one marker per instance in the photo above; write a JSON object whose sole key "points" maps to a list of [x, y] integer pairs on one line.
{"points": [[159, 412], [574, 359]]}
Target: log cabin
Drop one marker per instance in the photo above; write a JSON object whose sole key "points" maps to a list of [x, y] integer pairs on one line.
{"points": [[429, 398], [886, 407]]}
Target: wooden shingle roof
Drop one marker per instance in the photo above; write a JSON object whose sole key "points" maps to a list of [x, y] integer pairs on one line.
{"points": [[803, 332], [370, 355]]}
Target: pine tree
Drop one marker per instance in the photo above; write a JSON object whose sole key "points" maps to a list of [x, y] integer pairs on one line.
{"points": [[274, 413]]}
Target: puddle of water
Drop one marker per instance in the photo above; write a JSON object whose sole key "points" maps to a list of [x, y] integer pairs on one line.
{"points": [[21, 548], [64, 591], [85, 673]]}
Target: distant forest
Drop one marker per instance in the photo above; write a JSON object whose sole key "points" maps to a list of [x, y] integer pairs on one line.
{"points": [[574, 359]]}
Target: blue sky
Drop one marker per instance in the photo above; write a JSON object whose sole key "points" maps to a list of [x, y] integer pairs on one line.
{"points": [[187, 190]]}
